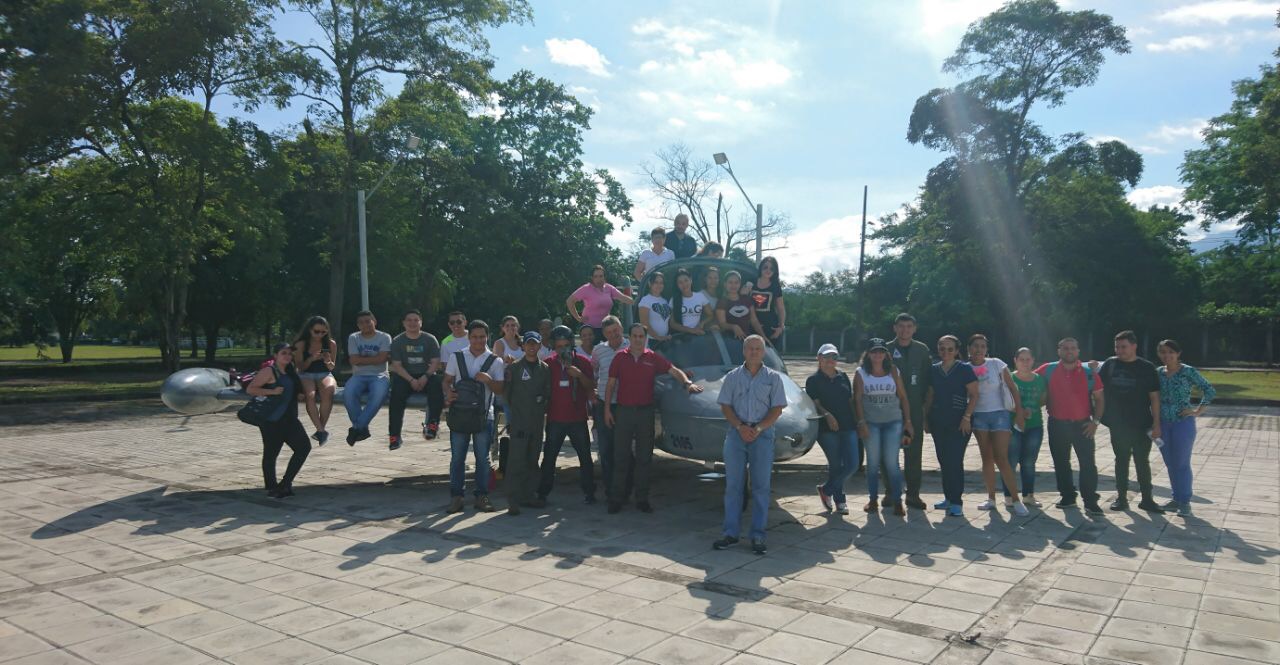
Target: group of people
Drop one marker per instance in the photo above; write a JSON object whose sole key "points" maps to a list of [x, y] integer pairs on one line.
{"points": [[551, 387], [898, 393]]}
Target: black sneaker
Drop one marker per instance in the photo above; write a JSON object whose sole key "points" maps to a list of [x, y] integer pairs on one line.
{"points": [[395, 442], [1093, 508], [1119, 505], [321, 437], [362, 434], [644, 507], [1150, 506], [724, 543], [538, 502], [1064, 502], [351, 436], [281, 492], [758, 547], [915, 502], [430, 430]]}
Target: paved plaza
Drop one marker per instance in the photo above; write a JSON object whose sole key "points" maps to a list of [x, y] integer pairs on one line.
{"points": [[133, 535]]}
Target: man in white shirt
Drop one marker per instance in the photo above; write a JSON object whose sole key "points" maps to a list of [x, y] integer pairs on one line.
{"points": [[601, 358], [650, 259], [480, 365]]}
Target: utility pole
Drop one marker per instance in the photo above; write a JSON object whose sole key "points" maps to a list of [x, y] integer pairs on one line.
{"points": [[862, 255]]}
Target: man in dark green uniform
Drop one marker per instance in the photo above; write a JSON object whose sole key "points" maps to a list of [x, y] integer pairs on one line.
{"points": [[528, 394], [912, 359]]}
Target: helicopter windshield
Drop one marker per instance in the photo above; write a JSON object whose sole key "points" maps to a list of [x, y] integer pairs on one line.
{"points": [[713, 350]]}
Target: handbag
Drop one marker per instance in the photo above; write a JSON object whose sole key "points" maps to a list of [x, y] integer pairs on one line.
{"points": [[259, 409]]}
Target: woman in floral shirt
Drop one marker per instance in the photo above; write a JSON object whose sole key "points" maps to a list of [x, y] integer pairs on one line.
{"points": [[1178, 420]]}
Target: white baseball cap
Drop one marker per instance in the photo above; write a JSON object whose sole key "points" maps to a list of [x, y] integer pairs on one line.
{"points": [[828, 349]]}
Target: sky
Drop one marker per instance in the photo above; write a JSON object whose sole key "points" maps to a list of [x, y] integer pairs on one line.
{"points": [[810, 100]]}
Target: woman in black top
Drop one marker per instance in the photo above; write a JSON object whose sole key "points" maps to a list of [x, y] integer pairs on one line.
{"points": [[767, 294], [832, 394], [282, 426], [317, 354]]}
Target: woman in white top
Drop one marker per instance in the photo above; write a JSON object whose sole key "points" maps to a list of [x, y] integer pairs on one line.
{"points": [[507, 347], [655, 311], [689, 312], [997, 397], [650, 259]]}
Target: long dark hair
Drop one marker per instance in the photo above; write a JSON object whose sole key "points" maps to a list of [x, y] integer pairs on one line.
{"points": [[777, 274], [866, 363], [677, 301], [304, 335]]}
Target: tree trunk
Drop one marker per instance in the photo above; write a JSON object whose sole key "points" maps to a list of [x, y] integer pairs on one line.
{"points": [[1204, 343], [195, 346], [210, 342], [266, 339]]}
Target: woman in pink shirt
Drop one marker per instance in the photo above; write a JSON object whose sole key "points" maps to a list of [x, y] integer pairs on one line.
{"points": [[597, 298]]}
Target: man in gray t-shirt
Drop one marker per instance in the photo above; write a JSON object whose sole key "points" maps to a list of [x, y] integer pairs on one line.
{"points": [[415, 355], [367, 351]]}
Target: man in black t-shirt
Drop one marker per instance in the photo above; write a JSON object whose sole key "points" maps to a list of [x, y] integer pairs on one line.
{"points": [[1133, 409]]}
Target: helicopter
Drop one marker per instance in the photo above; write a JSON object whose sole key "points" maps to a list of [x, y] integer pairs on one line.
{"points": [[687, 425]]}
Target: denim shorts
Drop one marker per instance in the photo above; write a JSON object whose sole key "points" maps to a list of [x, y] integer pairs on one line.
{"points": [[315, 376], [992, 421]]}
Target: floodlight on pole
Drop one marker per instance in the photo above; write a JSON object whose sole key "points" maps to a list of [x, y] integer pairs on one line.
{"points": [[361, 198], [722, 161]]}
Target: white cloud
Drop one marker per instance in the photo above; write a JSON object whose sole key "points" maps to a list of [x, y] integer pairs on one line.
{"points": [[1220, 12], [705, 75], [829, 246], [1183, 43], [1171, 196], [579, 54], [1189, 132], [1164, 195], [936, 25]]}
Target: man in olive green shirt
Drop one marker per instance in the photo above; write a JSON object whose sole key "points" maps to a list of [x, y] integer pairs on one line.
{"points": [[913, 362], [528, 392]]}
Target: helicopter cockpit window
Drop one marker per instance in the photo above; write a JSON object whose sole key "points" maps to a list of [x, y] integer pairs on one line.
{"points": [[693, 351], [734, 346]]}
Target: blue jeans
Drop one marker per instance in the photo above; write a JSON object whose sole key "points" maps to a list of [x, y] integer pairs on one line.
{"points": [[841, 449], [375, 386], [1179, 437], [740, 459], [1024, 449], [882, 453], [458, 444]]}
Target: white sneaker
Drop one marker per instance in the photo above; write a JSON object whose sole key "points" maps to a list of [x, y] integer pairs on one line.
{"points": [[1020, 510], [1031, 500], [986, 505], [1008, 501], [842, 509]]}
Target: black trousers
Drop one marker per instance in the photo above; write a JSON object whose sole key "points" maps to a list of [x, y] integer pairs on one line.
{"points": [[580, 438], [1126, 443], [1065, 436], [632, 451], [400, 391], [275, 436], [435, 397]]}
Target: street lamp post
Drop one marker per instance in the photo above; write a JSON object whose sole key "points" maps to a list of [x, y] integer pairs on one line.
{"points": [[723, 162], [361, 199]]}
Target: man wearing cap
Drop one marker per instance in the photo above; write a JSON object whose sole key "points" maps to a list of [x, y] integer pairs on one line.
{"points": [[528, 393], [752, 398], [832, 394], [912, 359], [572, 381], [631, 377]]}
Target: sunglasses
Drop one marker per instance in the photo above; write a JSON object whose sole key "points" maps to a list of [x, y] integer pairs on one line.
{"points": [[319, 332], [456, 322]]}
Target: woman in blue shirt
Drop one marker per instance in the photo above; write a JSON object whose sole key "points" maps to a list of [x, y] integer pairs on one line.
{"points": [[1178, 420], [948, 406]]}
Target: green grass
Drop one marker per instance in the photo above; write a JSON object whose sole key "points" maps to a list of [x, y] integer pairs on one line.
{"points": [[87, 352], [1245, 385], [68, 390]]}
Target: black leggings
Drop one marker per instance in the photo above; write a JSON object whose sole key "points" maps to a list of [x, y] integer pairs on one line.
{"points": [[274, 437]]}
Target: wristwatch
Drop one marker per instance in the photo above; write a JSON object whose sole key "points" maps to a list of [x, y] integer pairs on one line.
{"points": [[757, 429]]}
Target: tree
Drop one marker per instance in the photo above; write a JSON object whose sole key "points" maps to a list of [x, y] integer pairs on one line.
{"points": [[686, 184], [342, 74], [71, 219]]}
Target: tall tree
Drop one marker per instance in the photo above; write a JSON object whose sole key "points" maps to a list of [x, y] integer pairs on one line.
{"points": [[342, 74]]}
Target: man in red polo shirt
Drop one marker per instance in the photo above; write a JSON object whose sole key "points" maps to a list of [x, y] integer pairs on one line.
{"points": [[631, 377], [572, 384], [1074, 398]]}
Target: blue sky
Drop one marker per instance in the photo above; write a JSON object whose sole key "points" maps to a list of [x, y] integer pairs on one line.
{"points": [[810, 100]]}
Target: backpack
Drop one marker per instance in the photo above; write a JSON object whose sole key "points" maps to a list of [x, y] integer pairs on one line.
{"points": [[243, 379], [468, 414]]}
